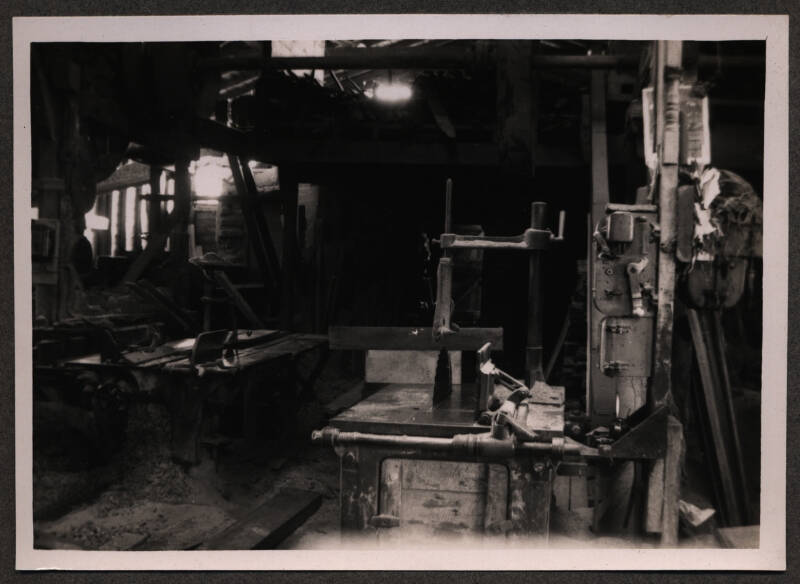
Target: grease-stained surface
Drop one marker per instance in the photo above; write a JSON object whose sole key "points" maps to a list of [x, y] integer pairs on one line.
{"points": [[444, 495]]}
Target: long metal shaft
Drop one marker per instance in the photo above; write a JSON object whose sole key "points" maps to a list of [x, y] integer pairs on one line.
{"points": [[478, 445], [533, 352]]}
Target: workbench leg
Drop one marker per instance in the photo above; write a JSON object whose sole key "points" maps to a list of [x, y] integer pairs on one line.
{"points": [[359, 477], [531, 496]]}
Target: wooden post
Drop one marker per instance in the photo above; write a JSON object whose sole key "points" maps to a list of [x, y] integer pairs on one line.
{"points": [[667, 197], [517, 106], [600, 194], [179, 242], [659, 511]]}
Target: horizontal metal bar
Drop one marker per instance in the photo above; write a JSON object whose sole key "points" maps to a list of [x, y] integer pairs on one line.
{"points": [[530, 240], [477, 445], [411, 338]]}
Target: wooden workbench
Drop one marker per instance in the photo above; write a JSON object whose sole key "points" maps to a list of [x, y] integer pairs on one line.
{"points": [[412, 492], [167, 372]]}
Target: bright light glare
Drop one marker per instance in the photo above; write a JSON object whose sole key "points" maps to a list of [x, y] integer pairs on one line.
{"points": [[392, 92], [208, 176]]}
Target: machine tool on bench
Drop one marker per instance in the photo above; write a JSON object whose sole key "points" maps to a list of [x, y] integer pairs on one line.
{"points": [[476, 456]]}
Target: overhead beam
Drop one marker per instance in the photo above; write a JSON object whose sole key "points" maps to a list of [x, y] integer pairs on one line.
{"points": [[450, 57]]}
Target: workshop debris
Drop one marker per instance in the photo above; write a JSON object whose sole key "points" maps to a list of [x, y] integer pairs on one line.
{"points": [[693, 516]]}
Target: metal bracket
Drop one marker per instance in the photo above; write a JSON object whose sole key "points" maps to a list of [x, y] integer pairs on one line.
{"points": [[645, 441]]}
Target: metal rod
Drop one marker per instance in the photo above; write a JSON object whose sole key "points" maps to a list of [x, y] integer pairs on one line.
{"points": [[479, 445], [533, 353]]}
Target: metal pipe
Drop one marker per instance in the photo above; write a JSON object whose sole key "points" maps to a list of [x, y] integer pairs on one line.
{"points": [[478, 445], [533, 352]]}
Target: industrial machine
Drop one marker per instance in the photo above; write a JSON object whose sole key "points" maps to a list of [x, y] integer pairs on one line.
{"points": [[454, 452], [477, 455], [445, 439]]}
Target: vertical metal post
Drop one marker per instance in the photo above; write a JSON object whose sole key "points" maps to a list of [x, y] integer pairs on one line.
{"points": [[533, 353], [444, 274]]}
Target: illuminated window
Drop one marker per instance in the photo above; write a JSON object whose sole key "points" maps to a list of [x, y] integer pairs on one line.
{"points": [[114, 221], [130, 217], [144, 218]]}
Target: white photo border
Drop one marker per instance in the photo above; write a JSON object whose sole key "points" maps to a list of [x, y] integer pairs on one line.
{"points": [[773, 28]]}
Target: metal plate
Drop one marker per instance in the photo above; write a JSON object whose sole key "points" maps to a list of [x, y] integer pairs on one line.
{"points": [[610, 283], [626, 346]]}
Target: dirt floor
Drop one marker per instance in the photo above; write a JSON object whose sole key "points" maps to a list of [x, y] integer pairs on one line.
{"points": [[145, 501]]}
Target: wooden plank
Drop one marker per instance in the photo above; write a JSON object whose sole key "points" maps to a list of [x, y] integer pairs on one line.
{"points": [[673, 463], [251, 211], [269, 524], [462, 477], [443, 510], [412, 338], [719, 343], [741, 537], [237, 299], [496, 496], [715, 416], [654, 498]]}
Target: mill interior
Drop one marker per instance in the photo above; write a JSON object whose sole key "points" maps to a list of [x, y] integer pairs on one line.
{"points": [[304, 294]]}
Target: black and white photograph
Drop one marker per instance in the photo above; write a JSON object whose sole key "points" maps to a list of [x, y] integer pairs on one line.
{"points": [[506, 288]]}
